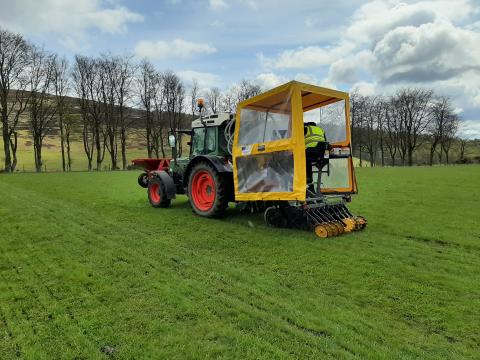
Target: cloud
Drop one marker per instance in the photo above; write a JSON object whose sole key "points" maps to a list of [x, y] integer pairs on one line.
{"points": [[430, 52], [68, 20], [376, 18], [205, 79], [66, 17], [469, 129], [177, 49], [270, 80], [218, 4], [308, 57], [364, 88]]}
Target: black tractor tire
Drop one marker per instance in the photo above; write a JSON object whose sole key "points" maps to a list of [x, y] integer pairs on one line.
{"points": [[207, 191], [143, 180], [157, 194]]}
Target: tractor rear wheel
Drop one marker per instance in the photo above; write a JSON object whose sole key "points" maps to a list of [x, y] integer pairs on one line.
{"points": [[157, 194], [207, 191]]}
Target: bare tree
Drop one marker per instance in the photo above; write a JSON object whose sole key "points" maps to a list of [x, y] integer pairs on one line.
{"points": [[372, 126], [159, 121], [193, 96], [96, 107], [174, 93], [391, 125], [123, 88], [442, 112], [41, 105], [229, 97], [414, 112], [80, 76], [214, 99], [146, 90], [61, 85], [451, 128], [107, 83], [247, 89], [14, 59]]}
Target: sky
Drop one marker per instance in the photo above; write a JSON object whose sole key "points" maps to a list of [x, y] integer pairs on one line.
{"points": [[373, 47]]}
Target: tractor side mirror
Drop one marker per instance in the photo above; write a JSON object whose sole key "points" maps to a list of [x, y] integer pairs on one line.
{"points": [[172, 140]]}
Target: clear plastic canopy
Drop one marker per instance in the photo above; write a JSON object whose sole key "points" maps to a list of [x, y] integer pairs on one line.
{"points": [[269, 148]]}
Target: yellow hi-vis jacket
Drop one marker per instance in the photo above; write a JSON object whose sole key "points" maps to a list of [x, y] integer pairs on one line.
{"points": [[314, 135]]}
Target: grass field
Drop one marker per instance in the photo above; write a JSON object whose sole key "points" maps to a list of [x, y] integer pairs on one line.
{"points": [[86, 263], [52, 157]]}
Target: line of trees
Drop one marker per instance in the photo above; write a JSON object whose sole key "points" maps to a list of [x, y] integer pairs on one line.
{"points": [[103, 100], [391, 130]]}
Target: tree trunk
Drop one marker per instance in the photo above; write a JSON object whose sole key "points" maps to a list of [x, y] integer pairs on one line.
{"points": [[432, 153], [98, 146], [69, 159], [37, 146], [113, 152], [382, 152], [410, 157], [123, 141], [372, 159], [13, 147], [62, 141], [6, 144]]}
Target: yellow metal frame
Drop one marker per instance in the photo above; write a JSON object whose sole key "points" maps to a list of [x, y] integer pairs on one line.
{"points": [[296, 142]]}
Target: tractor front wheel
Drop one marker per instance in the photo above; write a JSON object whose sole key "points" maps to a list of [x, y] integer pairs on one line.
{"points": [[143, 180], [157, 194], [207, 191]]}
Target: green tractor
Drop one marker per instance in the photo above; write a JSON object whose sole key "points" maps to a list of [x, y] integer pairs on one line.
{"points": [[257, 159], [206, 175]]}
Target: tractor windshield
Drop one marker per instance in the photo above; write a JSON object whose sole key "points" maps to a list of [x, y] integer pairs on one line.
{"points": [[199, 141]]}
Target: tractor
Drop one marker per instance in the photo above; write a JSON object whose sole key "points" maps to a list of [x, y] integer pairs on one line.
{"points": [[257, 160]]}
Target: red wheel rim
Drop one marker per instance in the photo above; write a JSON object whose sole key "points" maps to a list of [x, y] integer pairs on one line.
{"points": [[155, 193], [203, 190]]}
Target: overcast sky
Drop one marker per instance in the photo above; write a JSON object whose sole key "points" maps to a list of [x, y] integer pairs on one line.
{"points": [[372, 46]]}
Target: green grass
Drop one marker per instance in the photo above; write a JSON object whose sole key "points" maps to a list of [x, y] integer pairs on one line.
{"points": [[85, 263]]}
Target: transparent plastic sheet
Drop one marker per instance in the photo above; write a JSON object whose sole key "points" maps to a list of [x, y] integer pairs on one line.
{"points": [[339, 177], [272, 172], [264, 122], [330, 118]]}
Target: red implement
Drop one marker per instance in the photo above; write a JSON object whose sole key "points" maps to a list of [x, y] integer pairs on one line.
{"points": [[152, 164]]}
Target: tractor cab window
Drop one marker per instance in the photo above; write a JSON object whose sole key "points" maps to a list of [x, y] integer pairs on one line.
{"points": [[199, 141], [266, 120]]}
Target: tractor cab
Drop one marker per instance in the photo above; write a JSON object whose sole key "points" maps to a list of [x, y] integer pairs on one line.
{"points": [[208, 135], [269, 147]]}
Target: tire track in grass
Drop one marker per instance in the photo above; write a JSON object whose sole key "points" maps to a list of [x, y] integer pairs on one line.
{"points": [[92, 222], [198, 269], [177, 247]]}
